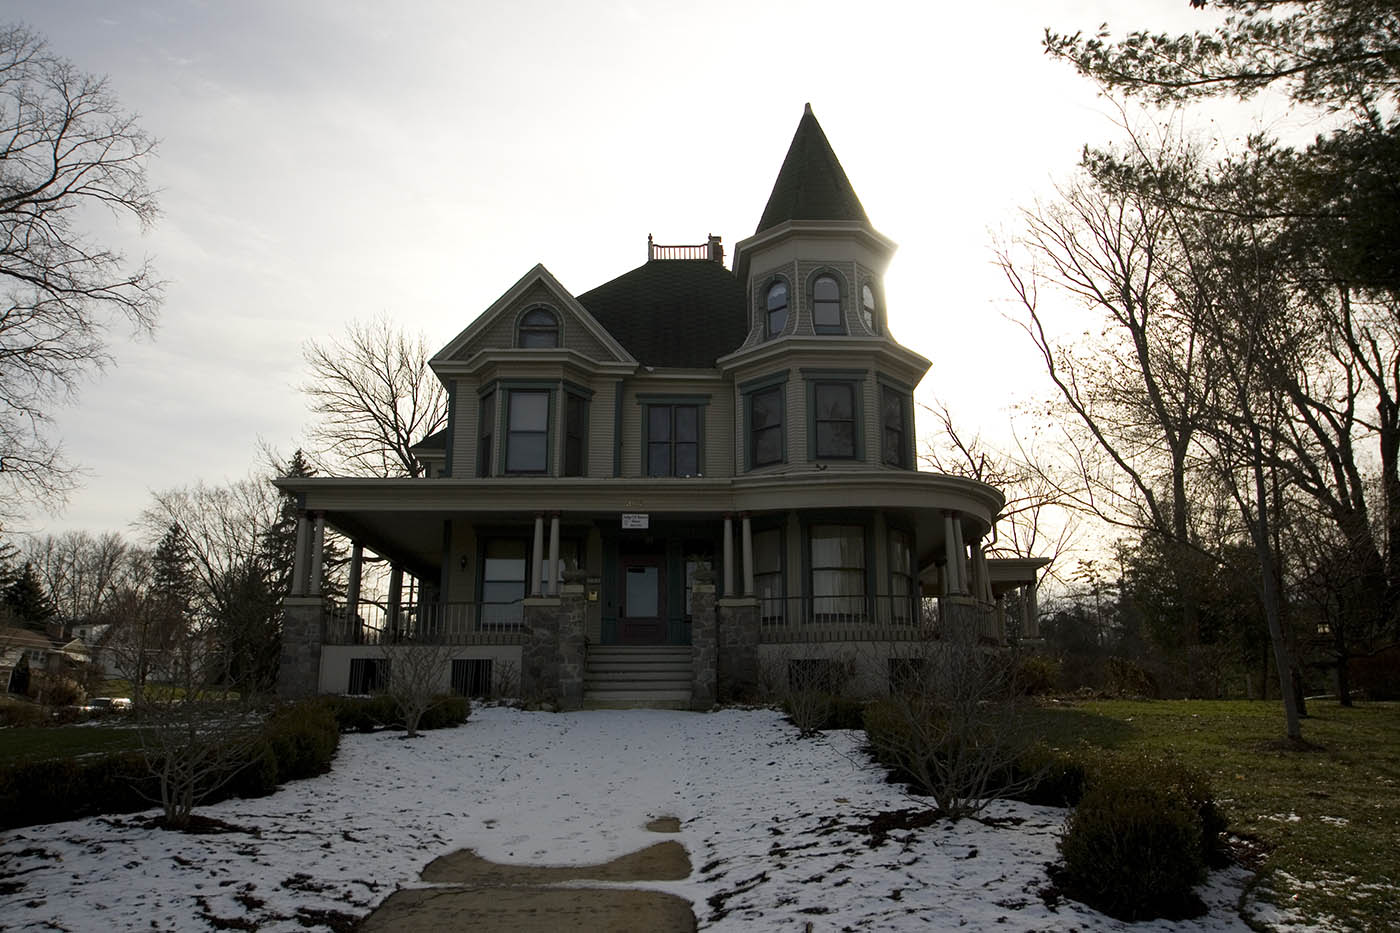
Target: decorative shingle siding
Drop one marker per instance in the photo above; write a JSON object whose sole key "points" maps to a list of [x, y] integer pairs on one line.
{"points": [[572, 333]]}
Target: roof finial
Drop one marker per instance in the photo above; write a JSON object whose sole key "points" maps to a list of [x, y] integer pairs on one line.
{"points": [[808, 108]]}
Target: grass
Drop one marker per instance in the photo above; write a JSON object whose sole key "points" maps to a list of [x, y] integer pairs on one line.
{"points": [[38, 743], [1327, 813]]}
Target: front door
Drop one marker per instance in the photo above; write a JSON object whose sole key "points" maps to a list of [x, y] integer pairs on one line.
{"points": [[642, 620]]}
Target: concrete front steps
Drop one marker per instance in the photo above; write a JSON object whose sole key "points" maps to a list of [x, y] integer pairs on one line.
{"points": [[637, 677]]}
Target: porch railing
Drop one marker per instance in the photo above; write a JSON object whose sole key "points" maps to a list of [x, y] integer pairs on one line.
{"points": [[787, 620], [430, 623], [841, 618]]}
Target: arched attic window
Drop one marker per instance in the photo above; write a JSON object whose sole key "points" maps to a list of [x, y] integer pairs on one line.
{"points": [[826, 306], [538, 328], [777, 307]]}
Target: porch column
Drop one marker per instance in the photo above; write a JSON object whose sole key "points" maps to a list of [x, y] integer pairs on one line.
{"points": [[951, 561], [747, 552], [538, 552], [299, 561], [728, 554], [1030, 612], [963, 563], [318, 548], [352, 590], [554, 554], [1000, 615], [395, 601]]}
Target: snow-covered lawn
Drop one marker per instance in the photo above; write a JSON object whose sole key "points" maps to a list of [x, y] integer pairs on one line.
{"points": [[773, 824]]}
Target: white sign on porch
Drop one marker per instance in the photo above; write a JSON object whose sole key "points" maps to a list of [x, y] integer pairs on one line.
{"points": [[635, 520]]}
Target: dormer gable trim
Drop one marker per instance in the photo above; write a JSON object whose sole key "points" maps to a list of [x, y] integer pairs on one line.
{"points": [[567, 303]]}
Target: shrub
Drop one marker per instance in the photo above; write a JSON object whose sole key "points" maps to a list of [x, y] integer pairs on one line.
{"points": [[445, 711], [19, 713], [1127, 678], [1050, 777], [1133, 847], [303, 738], [1036, 675]]}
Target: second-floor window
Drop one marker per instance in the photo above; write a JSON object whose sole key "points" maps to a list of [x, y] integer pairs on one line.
{"points": [[834, 418], [894, 419], [765, 426], [673, 440], [527, 432], [575, 433]]}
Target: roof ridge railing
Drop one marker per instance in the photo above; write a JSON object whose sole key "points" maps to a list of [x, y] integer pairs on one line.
{"points": [[712, 249]]}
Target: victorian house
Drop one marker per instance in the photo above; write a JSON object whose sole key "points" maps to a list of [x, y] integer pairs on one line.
{"points": [[651, 491]]}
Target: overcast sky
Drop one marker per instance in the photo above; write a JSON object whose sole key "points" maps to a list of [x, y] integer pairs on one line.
{"points": [[327, 161]]}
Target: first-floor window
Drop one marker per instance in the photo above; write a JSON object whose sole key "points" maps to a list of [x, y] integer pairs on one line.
{"points": [[527, 432], [673, 440], [901, 576], [894, 413], [766, 427], [838, 570], [834, 417], [503, 582], [768, 574]]}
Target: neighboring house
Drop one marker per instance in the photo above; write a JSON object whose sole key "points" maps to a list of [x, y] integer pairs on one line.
{"points": [[604, 449], [23, 651]]}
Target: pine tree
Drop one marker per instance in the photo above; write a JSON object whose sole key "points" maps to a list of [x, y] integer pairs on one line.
{"points": [[27, 600]]}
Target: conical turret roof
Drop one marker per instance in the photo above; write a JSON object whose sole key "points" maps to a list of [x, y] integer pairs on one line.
{"points": [[811, 184]]}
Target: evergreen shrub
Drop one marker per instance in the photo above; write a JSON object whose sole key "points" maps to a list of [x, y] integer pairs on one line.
{"points": [[1134, 846], [445, 712]]}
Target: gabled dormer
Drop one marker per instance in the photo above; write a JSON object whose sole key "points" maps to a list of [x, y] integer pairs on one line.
{"points": [[815, 265]]}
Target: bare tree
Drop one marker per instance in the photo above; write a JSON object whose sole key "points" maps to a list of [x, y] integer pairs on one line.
{"points": [[66, 146], [83, 571], [375, 397], [417, 677]]}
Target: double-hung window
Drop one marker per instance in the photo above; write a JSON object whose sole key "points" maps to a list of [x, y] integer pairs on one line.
{"points": [[777, 308], [765, 439], [894, 427], [486, 430], [834, 419], [826, 306], [673, 440], [902, 590], [838, 570], [503, 583], [768, 575], [575, 433], [527, 431]]}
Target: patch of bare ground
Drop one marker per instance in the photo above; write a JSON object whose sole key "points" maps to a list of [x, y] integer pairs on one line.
{"points": [[531, 910]]}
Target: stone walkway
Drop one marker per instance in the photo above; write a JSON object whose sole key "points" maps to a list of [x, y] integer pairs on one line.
{"points": [[471, 893]]}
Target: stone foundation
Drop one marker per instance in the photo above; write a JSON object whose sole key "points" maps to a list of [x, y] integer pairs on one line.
{"points": [[703, 647], [303, 628], [737, 661]]}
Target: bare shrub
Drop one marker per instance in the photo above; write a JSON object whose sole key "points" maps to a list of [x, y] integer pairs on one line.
{"points": [[952, 725], [505, 682], [417, 678]]}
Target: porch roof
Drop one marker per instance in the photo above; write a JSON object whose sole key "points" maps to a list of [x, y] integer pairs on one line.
{"points": [[403, 518]]}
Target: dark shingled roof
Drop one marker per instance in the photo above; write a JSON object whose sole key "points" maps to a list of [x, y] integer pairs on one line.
{"points": [[811, 185], [683, 313], [435, 441]]}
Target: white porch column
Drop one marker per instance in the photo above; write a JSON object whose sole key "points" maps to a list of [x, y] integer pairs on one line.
{"points": [[554, 554], [728, 555], [395, 601], [962, 563], [352, 587], [318, 550], [538, 553], [300, 560], [746, 541], [1030, 612], [952, 561]]}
